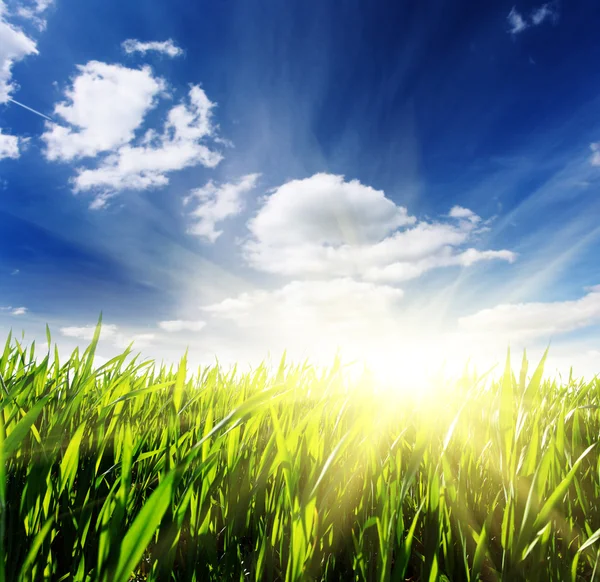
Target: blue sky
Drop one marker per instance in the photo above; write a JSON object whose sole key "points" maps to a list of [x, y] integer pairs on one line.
{"points": [[244, 177]]}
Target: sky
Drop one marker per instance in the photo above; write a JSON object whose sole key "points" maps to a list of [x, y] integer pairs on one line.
{"points": [[403, 183]]}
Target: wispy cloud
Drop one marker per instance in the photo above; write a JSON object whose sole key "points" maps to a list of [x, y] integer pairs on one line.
{"points": [[536, 319], [167, 47], [16, 311], [177, 325], [517, 23], [215, 203], [545, 12], [109, 332], [86, 332], [595, 160], [34, 12]]}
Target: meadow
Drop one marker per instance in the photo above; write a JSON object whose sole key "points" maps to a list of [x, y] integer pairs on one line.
{"points": [[136, 471]]}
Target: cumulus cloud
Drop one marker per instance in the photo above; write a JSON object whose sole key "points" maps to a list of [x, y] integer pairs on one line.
{"points": [[181, 144], [324, 226], [103, 108], [181, 325], [9, 146], [15, 45], [536, 320], [109, 332], [215, 203], [166, 47], [16, 311]]}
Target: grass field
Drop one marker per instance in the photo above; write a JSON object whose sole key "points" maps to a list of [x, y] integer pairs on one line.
{"points": [[132, 471]]}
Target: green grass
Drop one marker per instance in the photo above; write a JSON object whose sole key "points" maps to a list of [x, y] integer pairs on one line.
{"points": [[134, 471]]}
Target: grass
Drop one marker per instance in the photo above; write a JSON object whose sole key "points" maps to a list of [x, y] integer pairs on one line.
{"points": [[132, 471]]}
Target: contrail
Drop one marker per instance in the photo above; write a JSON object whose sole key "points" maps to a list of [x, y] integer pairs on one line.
{"points": [[30, 109]]}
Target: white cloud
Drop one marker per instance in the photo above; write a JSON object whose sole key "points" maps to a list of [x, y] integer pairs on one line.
{"points": [[216, 203], [311, 315], [463, 213], [536, 320], [16, 311], [9, 146], [181, 325], [406, 270], [33, 10], [167, 47], [545, 12], [181, 144], [516, 21], [595, 160], [103, 108], [325, 227], [87, 332], [139, 340], [109, 332], [15, 45], [326, 209]]}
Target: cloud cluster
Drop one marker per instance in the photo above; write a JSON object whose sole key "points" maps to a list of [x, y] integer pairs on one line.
{"points": [[167, 47], [215, 203], [345, 248], [324, 226], [517, 23], [104, 112]]}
